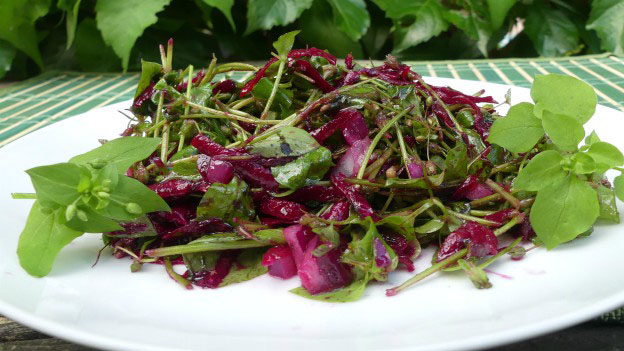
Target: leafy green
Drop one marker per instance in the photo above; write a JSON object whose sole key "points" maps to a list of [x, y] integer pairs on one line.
{"points": [[456, 162], [498, 11], [608, 206], [606, 154], [361, 254], [248, 266], [566, 132], [618, 184], [71, 8], [18, 25], [130, 190], [519, 131], [563, 95], [305, 170], [351, 17], [473, 22], [186, 168], [283, 97], [592, 138], [7, 54], [288, 141], [95, 222], [607, 19], [201, 261], [123, 152], [583, 163], [149, 70], [352, 292], [265, 14], [226, 201], [555, 215], [123, 22], [42, 239], [225, 6], [92, 53], [284, 43], [552, 32], [60, 183], [143, 221], [541, 172]]}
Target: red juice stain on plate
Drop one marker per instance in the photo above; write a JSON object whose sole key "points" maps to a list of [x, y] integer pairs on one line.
{"points": [[504, 276]]}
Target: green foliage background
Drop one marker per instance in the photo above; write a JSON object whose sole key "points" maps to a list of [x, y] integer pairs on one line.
{"points": [[112, 35]]}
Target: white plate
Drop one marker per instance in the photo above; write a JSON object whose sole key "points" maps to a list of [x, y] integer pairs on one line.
{"points": [[109, 307]]}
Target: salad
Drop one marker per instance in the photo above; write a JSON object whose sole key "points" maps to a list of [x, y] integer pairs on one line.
{"points": [[337, 174]]}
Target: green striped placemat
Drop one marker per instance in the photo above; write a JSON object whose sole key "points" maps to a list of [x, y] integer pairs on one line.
{"points": [[54, 96]]}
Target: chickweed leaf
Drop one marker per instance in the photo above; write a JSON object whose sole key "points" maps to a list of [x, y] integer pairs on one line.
{"points": [[60, 183], [564, 210], [618, 184], [566, 132], [519, 131], [284, 43], [42, 239], [563, 95], [123, 152], [592, 138], [606, 154], [583, 163], [542, 171], [131, 191]]}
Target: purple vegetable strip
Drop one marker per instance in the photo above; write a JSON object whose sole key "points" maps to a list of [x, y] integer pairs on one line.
{"points": [[225, 86], [210, 148], [306, 68], [298, 236], [172, 188], [337, 212], [215, 171], [315, 193], [349, 164], [195, 228], [211, 279], [282, 209], [480, 239], [356, 199], [256, 175]]}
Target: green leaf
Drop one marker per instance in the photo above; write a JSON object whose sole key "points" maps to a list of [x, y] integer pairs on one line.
{"points": [[123, 152], [474, 22], [130, 190], [566, 132], [607, 19], [552, 32], [225, 6], [18, 25], [456, 162], [123, 22], [248, 266], [541, 172], [71, 8], [564, 210], [361, 253], [96, 223], [592, 138], [351, 17], [498, 11], [7, 54], [350, 293], [265, 14], [142, 227], [92, 53], [608, 206], [583, 163], [201, 261], [563, 95], [606, 154], [399, 223], [149, 71], [284, 43], [226, 201], [305, 170], [59, 183], [283, 97], [42, 239], [519, 131], [288, 141], [428, 21], [186, 168], [431, 226], [416, 183], [618, 184]]}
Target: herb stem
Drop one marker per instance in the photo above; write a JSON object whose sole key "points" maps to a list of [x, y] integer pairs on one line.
{"points": [[500, 231], [175, 276], [500, 253], [23, 196], [205, 246], [278, 77], [504, 193], [427, 272], [473, 219]]}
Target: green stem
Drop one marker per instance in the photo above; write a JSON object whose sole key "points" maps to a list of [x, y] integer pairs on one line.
{"points": [[161, 101], [403, 149], [381, 132], [502, 252], [175, 276], [427, 272], [189, 85], [435, 96], [169, 66], [517, 219], [221, 115], [278, 77], [165, 143], [474, 219], [504, 193], [21, 196], [201, 247]]}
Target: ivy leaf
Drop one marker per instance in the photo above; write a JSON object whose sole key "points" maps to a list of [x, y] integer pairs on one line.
{"points": [[18, 25], [563, 95], [566, 132], [351, 17], [607, 19], [149, 70], [60, 183], [555, 213], [606, 154], [248, 266], [519, 131], [306, 169], [266, 14], [123, 152], [552, 32], [226, 201], [498, 11], [428, 21], [618, 184], [225, 6], [288, 141], [541, 172], [350, 293], [123, 22], [71, 8], [130, 190], [608, 206], [42, 239], [284, 43], [92, 53], [473, 21]]}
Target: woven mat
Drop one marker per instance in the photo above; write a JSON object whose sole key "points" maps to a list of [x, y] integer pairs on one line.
{"points": [[54, 96]]}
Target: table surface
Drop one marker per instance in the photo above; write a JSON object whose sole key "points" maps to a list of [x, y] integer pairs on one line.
{"points": [[591, 336], [33, 104]]}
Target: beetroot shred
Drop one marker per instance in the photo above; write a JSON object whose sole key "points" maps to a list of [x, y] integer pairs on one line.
{"points": [[480, 240]]}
